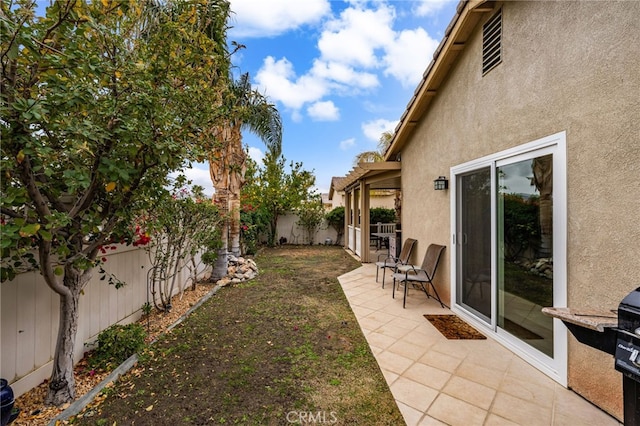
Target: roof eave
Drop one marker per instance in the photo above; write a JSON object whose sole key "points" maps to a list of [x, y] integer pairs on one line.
{"points": [[468, 15]]}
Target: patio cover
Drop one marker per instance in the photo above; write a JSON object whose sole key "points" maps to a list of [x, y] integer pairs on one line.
{"points": [[366, 177]]}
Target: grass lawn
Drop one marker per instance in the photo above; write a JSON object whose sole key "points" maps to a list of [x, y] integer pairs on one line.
{"points": [[283, 348], [531, 287]]}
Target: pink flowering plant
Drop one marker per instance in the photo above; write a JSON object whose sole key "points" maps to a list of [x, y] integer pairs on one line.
{"points": [[183, 227]]}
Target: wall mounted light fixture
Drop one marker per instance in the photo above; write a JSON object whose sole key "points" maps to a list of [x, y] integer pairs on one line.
{"points": [[441, 183]]}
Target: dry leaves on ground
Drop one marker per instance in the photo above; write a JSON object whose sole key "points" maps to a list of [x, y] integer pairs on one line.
{"points": [[33, 411]]}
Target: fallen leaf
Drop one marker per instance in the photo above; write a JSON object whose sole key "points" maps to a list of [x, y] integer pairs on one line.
{"points": [[149, 408]]}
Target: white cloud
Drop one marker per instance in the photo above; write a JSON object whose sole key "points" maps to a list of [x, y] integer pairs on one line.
{"points": [[347, 143], [259, 18], [354, 37], [407, 58], [198, 175], [296, 117], [343, 74], [429, 7], [374, 129], [256, 155], [354, 48], [278, 81], [324, 111]]}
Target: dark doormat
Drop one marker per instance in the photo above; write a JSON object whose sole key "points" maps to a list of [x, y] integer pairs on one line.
{"points": [[519, 331], [453, 327]]}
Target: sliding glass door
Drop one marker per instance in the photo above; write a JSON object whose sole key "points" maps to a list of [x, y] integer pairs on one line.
{"points": [[509, 233], [473, 242], [525, 249]]}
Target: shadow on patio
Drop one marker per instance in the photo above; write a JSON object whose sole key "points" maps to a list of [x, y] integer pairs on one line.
{"points": [[457, 382]]}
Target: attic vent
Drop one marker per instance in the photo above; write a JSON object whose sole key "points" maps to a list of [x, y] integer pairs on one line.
{"points": [[492, 42]]}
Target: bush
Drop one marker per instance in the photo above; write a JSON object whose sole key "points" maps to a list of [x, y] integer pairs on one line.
{"points": [[382, 215], [253, 223], [335, 218], [310, 216], [116, 344]]}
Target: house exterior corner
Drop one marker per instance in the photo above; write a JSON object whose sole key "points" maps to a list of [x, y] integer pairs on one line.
{"points": [[554, 125]]}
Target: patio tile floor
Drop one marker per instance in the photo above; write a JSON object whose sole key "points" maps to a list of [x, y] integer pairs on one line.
{"points": [[436, 381]]}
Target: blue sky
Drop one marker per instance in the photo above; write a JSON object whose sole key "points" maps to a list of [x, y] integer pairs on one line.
{"points": [[340, 72]]}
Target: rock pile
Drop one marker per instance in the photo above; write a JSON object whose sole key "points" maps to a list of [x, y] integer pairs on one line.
{"points": [[240, 269], [542, 267]]}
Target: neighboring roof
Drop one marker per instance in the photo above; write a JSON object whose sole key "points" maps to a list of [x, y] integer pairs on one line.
{"points": [[335, 181], [468, 15]]}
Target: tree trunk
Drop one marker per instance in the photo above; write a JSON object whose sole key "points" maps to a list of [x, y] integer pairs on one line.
{"points": [[543, 180], [221, 199], [219, 171], [234, 232], [236, 182], [227, 167], [62, 386], [273, 230], [397, 205]]}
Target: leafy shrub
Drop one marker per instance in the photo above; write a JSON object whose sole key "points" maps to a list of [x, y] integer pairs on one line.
{"points": [[382, 215], [310, 216], [116, 344], [335, 218], [253, 224], [521, 224]]}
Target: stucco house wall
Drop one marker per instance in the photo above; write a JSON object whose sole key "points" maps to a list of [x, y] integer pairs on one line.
{"points": [[567, 66]]}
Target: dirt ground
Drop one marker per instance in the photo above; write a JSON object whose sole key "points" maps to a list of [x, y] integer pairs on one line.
{"points": [[33, 412], [283, 348]]}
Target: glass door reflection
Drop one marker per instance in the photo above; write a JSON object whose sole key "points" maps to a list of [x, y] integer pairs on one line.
{"points": [[525, 250], [473, 242]]}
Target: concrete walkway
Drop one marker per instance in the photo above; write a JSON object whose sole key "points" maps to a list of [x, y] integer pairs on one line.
{"points": [[436, 381]]}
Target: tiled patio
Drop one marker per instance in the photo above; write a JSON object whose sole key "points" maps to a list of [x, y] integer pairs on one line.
{"points": [[436, 381]]}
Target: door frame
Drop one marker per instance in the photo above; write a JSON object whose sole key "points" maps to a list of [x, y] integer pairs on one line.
{"points": [[556, 367]]}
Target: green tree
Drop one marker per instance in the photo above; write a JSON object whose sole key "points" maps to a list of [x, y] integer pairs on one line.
{"points": [[254, 221], [247, 110], [275, 192], [97, 108], [520, 224], [381, 214], [335, 219], [310, 216]]}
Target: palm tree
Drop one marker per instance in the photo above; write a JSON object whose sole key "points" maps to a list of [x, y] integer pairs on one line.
{"points": [[375, 156], [247, 110]]}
